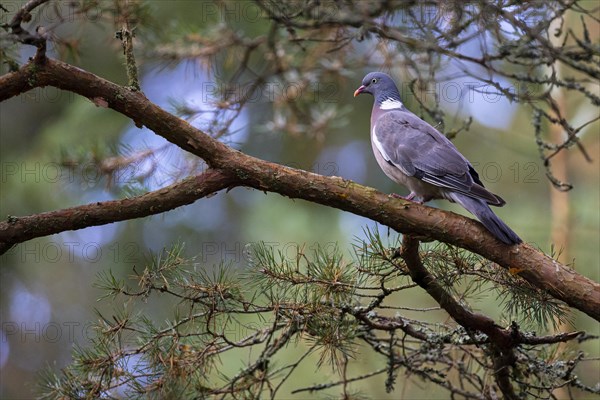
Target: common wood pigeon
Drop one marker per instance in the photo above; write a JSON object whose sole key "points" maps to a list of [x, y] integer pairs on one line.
{"points": [[414, 154]]}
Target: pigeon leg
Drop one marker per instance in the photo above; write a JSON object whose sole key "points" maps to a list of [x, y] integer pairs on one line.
{"points": [[410, 197]]}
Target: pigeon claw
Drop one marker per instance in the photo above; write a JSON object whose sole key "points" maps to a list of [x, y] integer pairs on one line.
{"points": [[410, 197]]}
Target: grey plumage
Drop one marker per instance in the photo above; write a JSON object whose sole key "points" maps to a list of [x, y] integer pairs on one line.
{"points": [[413, 153]]}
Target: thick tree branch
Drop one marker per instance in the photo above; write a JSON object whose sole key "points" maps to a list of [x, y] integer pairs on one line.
{"points": [[18, 230], [470, 320], [405, 217], [502, 340]]}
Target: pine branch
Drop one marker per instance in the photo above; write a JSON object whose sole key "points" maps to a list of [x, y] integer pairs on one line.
{"points": [[19, 229], [540, 270], [126, 34], [35, 39]]}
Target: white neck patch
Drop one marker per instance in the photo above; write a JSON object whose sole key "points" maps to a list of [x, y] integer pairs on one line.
{"points": [[390, 104]]}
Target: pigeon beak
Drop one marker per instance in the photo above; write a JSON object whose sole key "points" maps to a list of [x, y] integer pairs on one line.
{"points": [[359, 90]]}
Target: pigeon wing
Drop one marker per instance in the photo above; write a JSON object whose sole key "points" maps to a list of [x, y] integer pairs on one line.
{"points": [[419, 150]]}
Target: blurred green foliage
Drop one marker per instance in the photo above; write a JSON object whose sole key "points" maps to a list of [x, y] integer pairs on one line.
{"points": [[52, 145]]}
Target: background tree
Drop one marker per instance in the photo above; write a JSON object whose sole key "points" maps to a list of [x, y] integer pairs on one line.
{"points": [[265, 289]]}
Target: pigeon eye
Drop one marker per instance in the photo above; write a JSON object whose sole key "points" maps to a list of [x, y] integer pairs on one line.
{"points": [[374, 80]]}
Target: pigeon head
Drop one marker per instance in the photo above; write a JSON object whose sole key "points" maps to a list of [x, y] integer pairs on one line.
{"points": [[383, 88]]}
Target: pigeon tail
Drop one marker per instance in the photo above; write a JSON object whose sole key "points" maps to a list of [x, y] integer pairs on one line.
{"points": [[483, 212]]}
